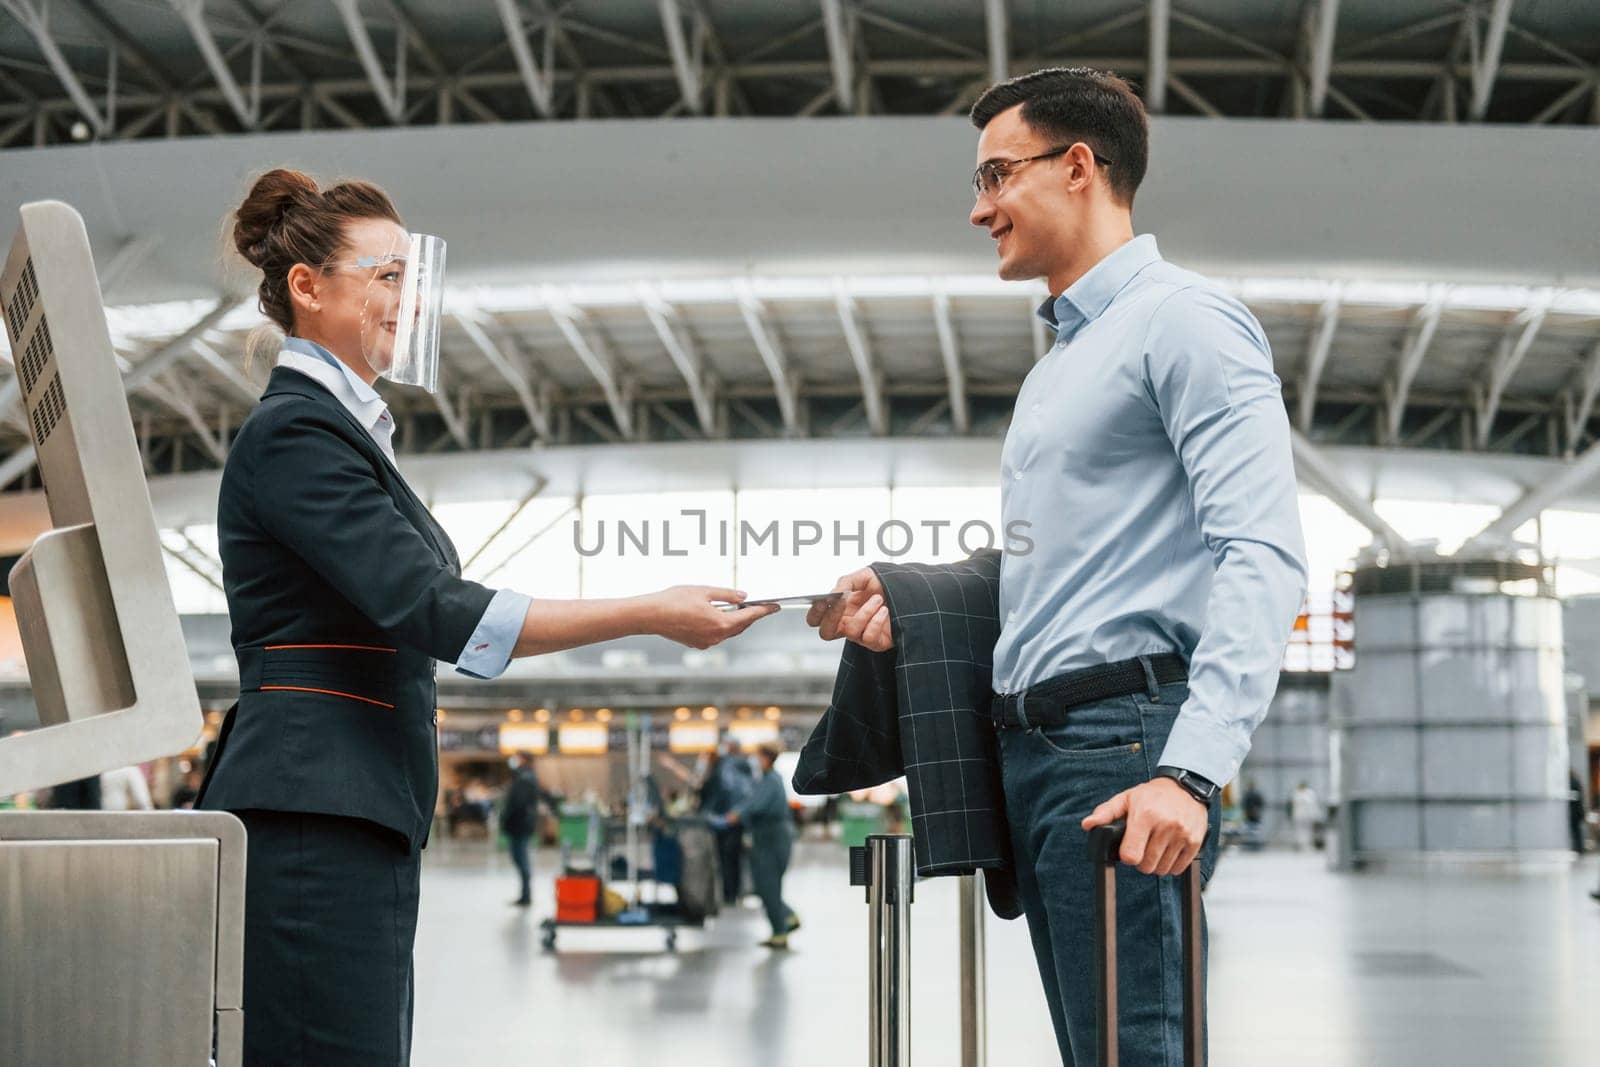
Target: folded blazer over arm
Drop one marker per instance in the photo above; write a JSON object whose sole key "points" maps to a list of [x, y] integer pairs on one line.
{"points": [[922, 710]]}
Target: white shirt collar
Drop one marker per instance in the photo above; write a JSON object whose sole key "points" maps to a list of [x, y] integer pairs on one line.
{"points": [[359, 398]]}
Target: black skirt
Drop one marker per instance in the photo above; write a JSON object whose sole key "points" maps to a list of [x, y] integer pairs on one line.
{"points": [[330, 919]]}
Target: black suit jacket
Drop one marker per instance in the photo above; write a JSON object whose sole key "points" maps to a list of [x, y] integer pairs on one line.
{"points": [[922, 710], [343, 593]]}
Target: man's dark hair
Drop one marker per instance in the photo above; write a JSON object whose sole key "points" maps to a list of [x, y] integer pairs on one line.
{"points": [[1071, 104]]}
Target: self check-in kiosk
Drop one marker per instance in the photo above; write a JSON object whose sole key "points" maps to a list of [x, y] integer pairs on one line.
{"points": [[121, 933]]}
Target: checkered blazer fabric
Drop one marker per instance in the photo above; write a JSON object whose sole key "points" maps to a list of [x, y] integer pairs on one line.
{"points": [[922, 710]]}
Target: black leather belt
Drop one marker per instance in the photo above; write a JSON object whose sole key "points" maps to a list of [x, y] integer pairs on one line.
{"points": [[1051, 701], [364, 673]]}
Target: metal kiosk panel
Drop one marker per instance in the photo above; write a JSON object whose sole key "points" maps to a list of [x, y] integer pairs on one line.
{"points": [[121, 933]]}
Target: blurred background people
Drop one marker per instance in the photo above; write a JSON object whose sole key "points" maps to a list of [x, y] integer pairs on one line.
{"points": [[1575, 815], [519, 818], [765, 814], [124, 789], [726, 783], [80, 795], [1305, 810]]}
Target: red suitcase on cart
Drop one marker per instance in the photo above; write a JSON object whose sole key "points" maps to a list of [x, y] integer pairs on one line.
{"points": [[577, 899], [1105, 843]]}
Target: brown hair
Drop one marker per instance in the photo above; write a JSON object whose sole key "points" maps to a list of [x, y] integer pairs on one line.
{"points": [[286, 220], [1070, 104]]}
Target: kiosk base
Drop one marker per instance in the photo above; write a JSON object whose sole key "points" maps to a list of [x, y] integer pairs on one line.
{"points": [[121, 938]]}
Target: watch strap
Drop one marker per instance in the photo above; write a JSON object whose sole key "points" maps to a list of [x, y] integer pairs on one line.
{"points": [[1202, 789]]}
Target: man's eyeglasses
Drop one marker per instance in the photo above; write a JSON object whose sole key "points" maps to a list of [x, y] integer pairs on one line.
{"points": [[991, 176]]}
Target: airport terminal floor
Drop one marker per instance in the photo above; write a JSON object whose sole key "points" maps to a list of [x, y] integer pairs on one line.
{"points": [[676, 436], [1307, 967]]}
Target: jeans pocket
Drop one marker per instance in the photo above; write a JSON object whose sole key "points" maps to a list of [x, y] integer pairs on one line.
{"points": [[1073, 744], [1104, 730]]}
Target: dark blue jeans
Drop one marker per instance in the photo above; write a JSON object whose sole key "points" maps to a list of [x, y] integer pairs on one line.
{"points": [[518, 847], [1053, 778]]}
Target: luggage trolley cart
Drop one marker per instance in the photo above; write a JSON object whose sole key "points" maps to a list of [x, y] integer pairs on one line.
{"points": [[647, 910], [693, 883]]}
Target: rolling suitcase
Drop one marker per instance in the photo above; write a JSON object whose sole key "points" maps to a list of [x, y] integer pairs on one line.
{"points": [[699, 892], [1105, 842]]}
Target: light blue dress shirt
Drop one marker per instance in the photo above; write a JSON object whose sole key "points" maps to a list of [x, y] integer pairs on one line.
{"points": [[1149, 458], [488, 650]]}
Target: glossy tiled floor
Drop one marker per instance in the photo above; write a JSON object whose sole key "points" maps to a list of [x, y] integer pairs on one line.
{"points": [[1308, 967]]}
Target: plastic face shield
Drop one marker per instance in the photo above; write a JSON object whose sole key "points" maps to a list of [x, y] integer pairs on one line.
{"points": [[401, 315]]}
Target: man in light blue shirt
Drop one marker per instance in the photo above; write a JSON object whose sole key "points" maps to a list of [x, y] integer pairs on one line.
{"points": [[1143, 629]]}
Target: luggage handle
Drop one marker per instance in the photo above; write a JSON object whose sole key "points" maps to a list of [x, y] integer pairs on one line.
{"points": [[1105, 846]]}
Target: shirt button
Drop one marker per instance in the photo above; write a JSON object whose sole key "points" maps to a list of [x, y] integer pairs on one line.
{"points": [[1016, 476], [1035, 407]]}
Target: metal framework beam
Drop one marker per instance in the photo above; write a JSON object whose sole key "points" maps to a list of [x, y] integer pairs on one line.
{"points": [[685, 355], [1513, 348], [535, 406], [998, 22], [142, 372], [1317, 471], [192, 108], [841, 48], [686, 58], [182, 556], [535, 79], [391, 94], [454, 421], [855, 340], [950, 353], [1534, 501], [1196, 101], [1317, 357], [596, 356], [1155, 79], [247, 111], [247, 390], [774, 358], [539, 485], [1411, 357], [169, 352], [1322, 55], [175, 395], [1582, 402], [36, 21], [1487, 67]]}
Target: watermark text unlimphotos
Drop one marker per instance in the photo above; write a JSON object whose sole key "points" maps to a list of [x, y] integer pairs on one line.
{"points": [[693, 529]]}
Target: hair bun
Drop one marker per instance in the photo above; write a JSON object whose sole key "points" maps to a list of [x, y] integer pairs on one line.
{"points": [[274, 195]]}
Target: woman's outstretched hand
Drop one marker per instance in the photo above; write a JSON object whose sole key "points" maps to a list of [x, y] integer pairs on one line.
{"points": [[686, 614]]}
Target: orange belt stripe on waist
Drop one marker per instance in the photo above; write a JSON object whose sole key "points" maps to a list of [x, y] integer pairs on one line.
{"points": [[361, 648], [325, 692]]}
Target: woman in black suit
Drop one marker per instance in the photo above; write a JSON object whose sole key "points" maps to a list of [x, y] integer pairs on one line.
{"points": [[343, 593]]}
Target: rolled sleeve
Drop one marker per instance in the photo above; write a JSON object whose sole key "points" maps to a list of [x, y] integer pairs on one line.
{"points": [[488, 650], [1209, 372]]}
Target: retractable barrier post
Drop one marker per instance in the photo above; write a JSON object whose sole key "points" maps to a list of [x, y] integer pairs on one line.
{"points": [[1105, 844], [974, 1036], [885, 867]]}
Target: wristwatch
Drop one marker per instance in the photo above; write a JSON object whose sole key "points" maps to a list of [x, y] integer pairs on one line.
{"points": [[1202, 789]]}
